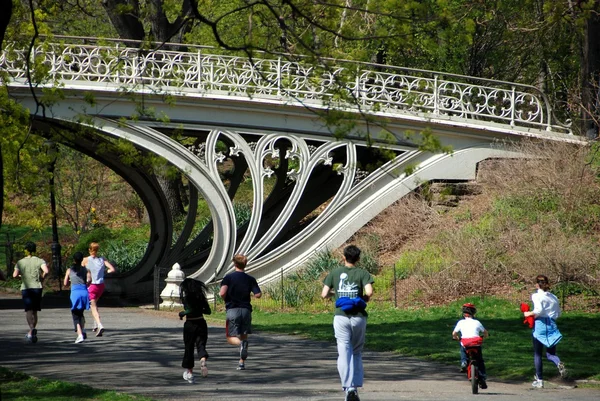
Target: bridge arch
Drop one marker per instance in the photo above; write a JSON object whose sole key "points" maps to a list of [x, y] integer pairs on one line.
{"points": [[225, 98]]}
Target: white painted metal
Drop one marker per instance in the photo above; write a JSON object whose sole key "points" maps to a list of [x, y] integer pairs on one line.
{"points": [[199, 72], [230, 96]]}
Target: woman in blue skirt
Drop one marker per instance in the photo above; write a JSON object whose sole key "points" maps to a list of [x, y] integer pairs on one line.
{"points": [[79, 276]]}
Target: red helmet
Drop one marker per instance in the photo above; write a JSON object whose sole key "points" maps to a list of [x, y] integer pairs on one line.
{"points": [[469, 308]]}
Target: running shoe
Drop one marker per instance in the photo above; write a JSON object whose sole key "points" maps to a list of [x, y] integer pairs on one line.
{"points": [[562, 370], [34, 336], [203, 369], [241, 366], [79, 339], [189, 377], [244, 350], [482, 384], [352, 394], [537, 383], [100, 331], [463, 367]]}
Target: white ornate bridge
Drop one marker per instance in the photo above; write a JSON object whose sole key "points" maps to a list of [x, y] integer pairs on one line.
{"points": [[317, 128]]}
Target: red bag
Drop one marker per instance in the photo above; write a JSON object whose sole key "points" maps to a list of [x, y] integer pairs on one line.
{"points": [[529, 319]]}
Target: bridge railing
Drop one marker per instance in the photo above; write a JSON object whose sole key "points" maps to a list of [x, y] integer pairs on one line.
{"points": [[200, 71]]}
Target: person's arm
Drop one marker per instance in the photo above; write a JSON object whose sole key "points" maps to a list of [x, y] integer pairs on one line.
{"points": [[223, 291], [368, 292], [537, 307], [326, 292], [45, 270], [66, 280], [485, 334], [256, 290], [16, 272], [88, 277], [455, 335], [109, 267]]}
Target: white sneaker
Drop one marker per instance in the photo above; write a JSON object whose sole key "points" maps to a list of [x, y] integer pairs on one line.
{"points": [[189, 377], [99, 331], [537, 383], [79, 339]]}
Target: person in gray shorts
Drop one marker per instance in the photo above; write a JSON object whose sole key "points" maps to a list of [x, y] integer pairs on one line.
{"points": [[236, 288]]}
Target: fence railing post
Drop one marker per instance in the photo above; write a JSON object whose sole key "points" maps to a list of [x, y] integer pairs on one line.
{"points": [[156, 287], [395, 288], [282, 301]]}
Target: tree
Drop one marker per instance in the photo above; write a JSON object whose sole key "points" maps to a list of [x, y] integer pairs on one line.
{"points": [[6, 7]]}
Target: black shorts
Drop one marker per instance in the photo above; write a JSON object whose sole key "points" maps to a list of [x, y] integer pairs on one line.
{"points": [[32, 299]]}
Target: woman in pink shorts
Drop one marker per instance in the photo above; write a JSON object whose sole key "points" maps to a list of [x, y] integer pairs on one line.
{"points": [[97, 266]]}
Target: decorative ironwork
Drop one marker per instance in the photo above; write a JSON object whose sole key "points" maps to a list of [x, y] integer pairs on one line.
{"points": [[124, 65]]}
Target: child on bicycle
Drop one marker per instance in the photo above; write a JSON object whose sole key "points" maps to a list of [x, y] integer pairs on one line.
{"points": [[471, 333]]}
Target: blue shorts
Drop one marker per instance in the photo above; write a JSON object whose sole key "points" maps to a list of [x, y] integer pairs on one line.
{"points": [[32, 299], [239, 322]]}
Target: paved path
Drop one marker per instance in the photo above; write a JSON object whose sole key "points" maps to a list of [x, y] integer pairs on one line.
{"points": [[141, 353]]}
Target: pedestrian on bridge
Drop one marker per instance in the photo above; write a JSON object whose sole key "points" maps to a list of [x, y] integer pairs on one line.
{"points": [[97, 265], [32, 271], [235, 291], [352, 288]]}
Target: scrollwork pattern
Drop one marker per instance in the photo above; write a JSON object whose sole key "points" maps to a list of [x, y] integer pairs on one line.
{"points": [[199, 71]]}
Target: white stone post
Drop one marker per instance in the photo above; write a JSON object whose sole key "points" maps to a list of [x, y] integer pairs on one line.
{"points": [[170, 295]]}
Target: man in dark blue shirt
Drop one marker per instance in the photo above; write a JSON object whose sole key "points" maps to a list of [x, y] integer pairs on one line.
{"points": [[235, 291]]}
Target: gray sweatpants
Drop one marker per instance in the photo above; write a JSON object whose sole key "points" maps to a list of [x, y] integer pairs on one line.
{"points": [[350, 335]]}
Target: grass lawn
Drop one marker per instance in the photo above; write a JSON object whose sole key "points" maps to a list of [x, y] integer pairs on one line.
{"points": [[18, 386], [426, 333]]}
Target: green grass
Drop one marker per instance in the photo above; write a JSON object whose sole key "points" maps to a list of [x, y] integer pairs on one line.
{"points": [[426, 333], [18, 386]]}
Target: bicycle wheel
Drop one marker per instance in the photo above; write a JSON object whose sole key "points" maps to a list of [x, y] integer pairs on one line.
{"points": [[474, 379]]}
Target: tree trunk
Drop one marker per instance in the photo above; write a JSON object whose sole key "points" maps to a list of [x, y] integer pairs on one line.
{"points": [[6, 7], [171, 189], [590, 75], [127, 24]]}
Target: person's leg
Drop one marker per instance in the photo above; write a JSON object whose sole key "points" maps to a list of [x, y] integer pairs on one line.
{"points": [[189, 338], [359, 329], [95, 313], [481, 365], [232, 329], [551, 355], [245, 330], [31, 317], [538, 348], [463, 357], [343, 335], [78, 321], [201, 340]]}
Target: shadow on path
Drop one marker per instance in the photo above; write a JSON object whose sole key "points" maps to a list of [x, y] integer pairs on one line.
{"points": [[141, 353]]}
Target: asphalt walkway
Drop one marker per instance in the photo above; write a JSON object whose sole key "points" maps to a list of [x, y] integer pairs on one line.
{"points": [[141, 353]]}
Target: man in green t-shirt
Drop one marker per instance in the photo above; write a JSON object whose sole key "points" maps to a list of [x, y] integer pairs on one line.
{"points": [[351, 288], [30, 268]]}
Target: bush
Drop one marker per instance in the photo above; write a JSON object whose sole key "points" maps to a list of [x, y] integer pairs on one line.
{"points": [[303, 286]]}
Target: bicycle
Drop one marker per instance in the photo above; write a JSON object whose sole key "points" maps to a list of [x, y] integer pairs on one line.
{"points": [[473, 350]]}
